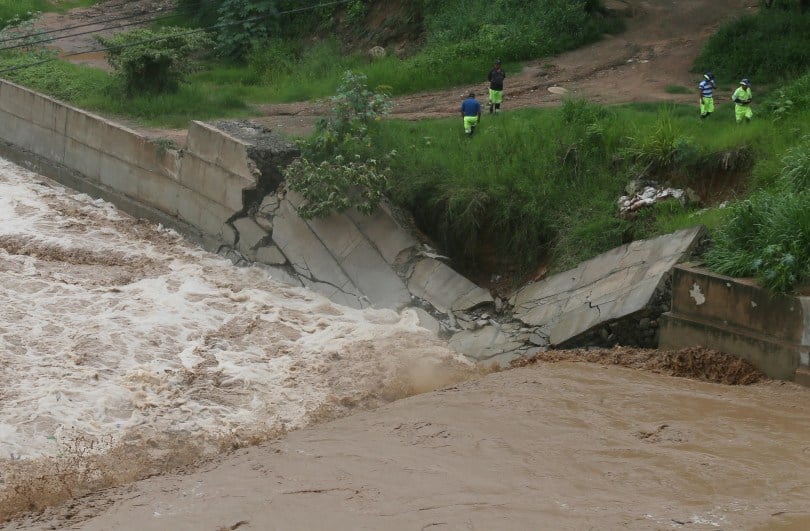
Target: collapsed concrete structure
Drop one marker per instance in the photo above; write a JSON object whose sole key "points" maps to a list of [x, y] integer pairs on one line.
{"points": [[225, 190]]}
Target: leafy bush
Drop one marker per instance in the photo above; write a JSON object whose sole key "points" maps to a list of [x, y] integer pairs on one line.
{"points": [[337, 170], [153, 61], [336, 185], [199, 12]]}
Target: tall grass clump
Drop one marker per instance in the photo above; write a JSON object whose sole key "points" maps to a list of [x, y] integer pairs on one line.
{"points": [[511, 29], [770, 46], [768, 235], [661, 146]]}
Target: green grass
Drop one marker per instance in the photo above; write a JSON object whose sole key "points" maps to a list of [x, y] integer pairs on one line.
{"points": [[23, 9], [98, 91]]}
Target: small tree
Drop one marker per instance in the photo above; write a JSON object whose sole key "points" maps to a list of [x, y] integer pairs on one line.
{"points": [[153, 61], [338, 170]]}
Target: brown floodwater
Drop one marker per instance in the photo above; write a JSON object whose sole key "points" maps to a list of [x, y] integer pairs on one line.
{"points": [[549, 446]]}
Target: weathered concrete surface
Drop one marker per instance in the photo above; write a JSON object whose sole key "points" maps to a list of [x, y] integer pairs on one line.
{"points": [[738, 317], [445, 289], [612, 286], [200, 187]]}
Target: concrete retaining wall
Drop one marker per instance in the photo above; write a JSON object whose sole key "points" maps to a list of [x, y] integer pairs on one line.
{"points": [[736, 316], [201, 186]]}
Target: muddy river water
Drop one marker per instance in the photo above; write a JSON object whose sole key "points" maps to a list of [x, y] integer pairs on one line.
{"points": [[126, 352]]}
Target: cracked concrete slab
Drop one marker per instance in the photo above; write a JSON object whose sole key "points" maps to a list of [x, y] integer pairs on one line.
{"points": [[250, 235], [311, 259], [610, 286], [444, 288], [361, 262]]}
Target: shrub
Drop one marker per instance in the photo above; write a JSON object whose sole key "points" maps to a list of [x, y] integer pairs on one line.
{"points": [[243, 23], [336, 185], [346, 130], [337, 170], [153, 61], [796, 167]]}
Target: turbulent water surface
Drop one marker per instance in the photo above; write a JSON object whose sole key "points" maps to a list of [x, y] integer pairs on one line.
{"points": [[116, 333]]}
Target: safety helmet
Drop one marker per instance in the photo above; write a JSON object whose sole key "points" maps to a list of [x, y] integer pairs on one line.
{"points": [[708, 75], [497, 61], [744, 81]]}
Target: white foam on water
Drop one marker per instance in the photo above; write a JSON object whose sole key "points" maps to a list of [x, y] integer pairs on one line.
{"points": [[111, 327]]}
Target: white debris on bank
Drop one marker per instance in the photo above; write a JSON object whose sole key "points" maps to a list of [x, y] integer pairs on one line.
{"points": [[649, 195]]}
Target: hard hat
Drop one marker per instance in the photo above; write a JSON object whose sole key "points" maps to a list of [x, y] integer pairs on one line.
{"points": [[497, 61], [708, 75], [744, 81]]}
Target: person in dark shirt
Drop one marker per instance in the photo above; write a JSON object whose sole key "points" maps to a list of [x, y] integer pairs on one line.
{"points": [[471, 112], [496, 77]]}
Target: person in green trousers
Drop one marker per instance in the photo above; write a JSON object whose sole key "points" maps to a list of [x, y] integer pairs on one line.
{"points": [[742, 101]]}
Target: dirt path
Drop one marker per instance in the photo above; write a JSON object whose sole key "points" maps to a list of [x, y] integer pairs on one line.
{"points": [[657, 50]]}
